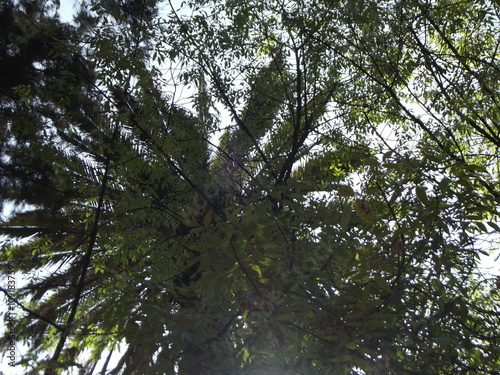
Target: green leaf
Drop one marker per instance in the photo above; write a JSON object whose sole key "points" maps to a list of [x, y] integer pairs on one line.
{"points": [[284, 317], [346, 150], [422, 195], [382, 283], [364, 211], [256, 268], [345, 191], [351, 345], [207, 219], [345, 219], [288, 333]]}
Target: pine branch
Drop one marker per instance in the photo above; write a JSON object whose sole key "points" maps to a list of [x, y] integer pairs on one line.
{"points": [[31, 312]]}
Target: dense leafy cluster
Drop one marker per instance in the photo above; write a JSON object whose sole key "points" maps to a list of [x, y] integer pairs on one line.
{"points": [[226, 187]]}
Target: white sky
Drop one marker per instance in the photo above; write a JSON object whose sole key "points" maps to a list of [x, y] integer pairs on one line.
{"points": [[488, 265]]}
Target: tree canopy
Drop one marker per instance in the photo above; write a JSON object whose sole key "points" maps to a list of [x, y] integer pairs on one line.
{"points": [[227, 187]]}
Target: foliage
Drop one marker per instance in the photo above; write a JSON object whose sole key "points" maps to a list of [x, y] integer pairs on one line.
{"points": [[280, 187]]}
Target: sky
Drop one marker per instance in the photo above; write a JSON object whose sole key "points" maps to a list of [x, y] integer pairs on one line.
{"points": [[66, 10], [489, 266]]}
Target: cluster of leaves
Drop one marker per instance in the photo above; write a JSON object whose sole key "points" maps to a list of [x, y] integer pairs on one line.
{"points": [[317, 204]]}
